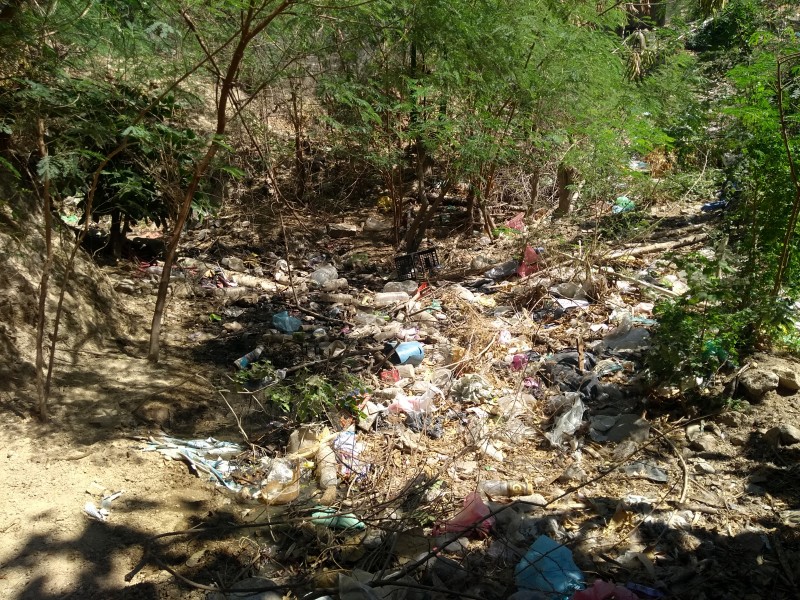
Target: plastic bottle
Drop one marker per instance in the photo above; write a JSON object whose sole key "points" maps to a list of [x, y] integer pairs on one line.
{"points": [[249, 358], [499, 487], [337, 298], [408, 286], [332, 285], [389, 298], [323, 274]]}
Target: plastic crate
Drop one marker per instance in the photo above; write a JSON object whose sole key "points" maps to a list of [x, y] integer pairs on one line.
{"points": [[415, 264]]}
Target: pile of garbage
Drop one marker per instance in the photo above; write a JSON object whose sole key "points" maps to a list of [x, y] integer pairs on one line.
{"points": [[464, 383]]}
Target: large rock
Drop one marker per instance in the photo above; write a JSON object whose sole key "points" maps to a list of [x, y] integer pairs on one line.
{"points": [[757, 382], [343, 230], [234, 263], [782, 435], [787, 370]]}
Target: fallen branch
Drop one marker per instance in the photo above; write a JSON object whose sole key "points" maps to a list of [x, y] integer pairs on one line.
{"points": [[650, 286], [689, 241]]}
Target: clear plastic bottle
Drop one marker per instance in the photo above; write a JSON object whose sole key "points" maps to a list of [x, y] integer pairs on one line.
{"points": [[324, 273], [337, 298], [389, 298], [501, 487]]}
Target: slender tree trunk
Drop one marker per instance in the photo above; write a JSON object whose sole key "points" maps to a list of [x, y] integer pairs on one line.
{"points": [[44, 287], [115, 235], [424, 220], [470, 221], [299, 157], [565, 178], [534, 181], [247, 34]]}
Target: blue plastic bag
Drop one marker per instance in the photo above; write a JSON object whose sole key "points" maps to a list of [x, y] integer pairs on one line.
{"points": [[285, 323], [548, 567]]}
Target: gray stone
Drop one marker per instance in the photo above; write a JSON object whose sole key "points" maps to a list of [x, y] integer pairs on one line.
{"points": [[757, 382], [343, 230], [704, 443], [376, 224], [126, 287], [234, 263], [704, 468], [788, 376], [731, 419], [782, 435]]}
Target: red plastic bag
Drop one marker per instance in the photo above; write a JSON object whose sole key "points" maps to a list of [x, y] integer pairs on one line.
{"points": [[474, 517], [529, 263]]}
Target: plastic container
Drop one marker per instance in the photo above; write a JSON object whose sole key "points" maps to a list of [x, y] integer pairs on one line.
{"points": [[548, 567], [337, 298], [499, 487], [406, 353], [249, 358], [389, 298], [408, 286], [335, 284], [282, 484], [285, 323], [323, 274]]}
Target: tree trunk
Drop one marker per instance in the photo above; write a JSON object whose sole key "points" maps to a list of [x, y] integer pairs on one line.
{"points": [[565, 179], [246, 36], [534, 195], [299, 157], [116, 236], [44, 288], [424, 218], [470, 221]]}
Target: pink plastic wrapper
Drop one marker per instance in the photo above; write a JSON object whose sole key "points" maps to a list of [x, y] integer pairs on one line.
{"points": [[467, 520], [530, 262], [519, 362], [602, 590]]}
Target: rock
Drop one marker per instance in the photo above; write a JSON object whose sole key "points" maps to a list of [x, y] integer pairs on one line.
{"points": [[693, 431], [738, 439], [788, 377], [704, 468], [704, 443], [126, 286], [343, 230], [730, 419], [757, 382], [787, 370], [154, 412], [234, 264], [782, 435], [376, 224]]}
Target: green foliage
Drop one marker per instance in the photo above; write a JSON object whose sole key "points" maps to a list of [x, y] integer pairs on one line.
{"points": [[305, 397], [730, 29]]}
